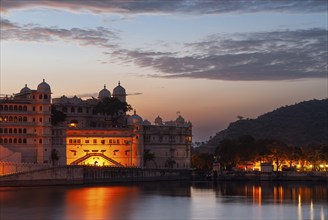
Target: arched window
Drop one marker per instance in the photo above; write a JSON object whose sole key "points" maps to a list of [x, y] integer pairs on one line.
{"points": [[1, 130], [19, 131], [1, 140], [15, 108], [6, 107], [11, 118], [20, 140], [15, 141], [24, 130], [10, 141], [25, 108], [10, 130], [15, 130], [20, 118], [40, 108], [10, 108], [15, 119], [20, 108], [72, 109], [40, 96], [5, 130], [25, 119], [1, 107], [5, 141], [45, 96], [24, 141]]}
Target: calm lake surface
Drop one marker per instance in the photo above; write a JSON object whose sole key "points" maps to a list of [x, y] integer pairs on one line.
{"points": [[168, 200]]}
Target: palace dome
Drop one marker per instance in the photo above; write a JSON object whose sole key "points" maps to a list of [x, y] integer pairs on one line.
{"points": [[158, 121], [135, 119], [119, 90], [104, 93], [25, 89], [180, 120], [44, 87]]}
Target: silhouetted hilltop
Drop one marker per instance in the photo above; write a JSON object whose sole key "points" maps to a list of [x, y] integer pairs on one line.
{"points": [[301, 124]]}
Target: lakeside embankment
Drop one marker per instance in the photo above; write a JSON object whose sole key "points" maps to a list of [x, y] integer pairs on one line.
{"points": [[79, 175], [71, 175], [273, 176]]}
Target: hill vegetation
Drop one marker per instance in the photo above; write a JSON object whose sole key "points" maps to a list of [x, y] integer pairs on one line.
{"points": [[302, 124]]}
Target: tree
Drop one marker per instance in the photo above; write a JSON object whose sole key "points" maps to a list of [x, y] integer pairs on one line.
{"points": [[57, 116], [246, 149], [279, 153], [261, 150], [111, 107], [202, 162], [170, 162], [148, 156], [227, 151], [54, 156]]}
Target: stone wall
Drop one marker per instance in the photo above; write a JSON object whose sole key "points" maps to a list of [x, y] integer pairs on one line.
{"points": [[12, 168]]}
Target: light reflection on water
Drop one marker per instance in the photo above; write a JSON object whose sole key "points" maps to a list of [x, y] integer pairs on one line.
{"points": [[168, 200]]}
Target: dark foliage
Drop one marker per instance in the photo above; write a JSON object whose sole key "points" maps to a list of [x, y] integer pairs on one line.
{"points": [[111, 106], [148, 156], [57, 116], [301, 124]]}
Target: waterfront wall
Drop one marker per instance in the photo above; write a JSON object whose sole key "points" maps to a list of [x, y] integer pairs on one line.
{"points": [[46, 176], [91, 175], [12, 167]]}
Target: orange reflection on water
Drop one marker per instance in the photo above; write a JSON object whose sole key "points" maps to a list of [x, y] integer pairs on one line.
{"points": [[257, 195], [112, 202]]}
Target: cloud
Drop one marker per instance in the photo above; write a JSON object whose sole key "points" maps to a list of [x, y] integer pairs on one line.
{"points": [[100, 36], [275, 55], [176, 6]]}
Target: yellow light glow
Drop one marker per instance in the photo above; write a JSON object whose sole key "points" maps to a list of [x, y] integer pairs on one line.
{"points": [[72, 125]]}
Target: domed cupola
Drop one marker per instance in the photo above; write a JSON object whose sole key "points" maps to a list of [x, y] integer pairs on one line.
{"points": [[158, 121], [119, 92], [25, 90], [135, 119], [44, 87], [104, 93], [180, 120]]}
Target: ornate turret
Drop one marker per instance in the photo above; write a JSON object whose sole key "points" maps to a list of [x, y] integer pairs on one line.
{"points": [[104, 93], [119, 92]]}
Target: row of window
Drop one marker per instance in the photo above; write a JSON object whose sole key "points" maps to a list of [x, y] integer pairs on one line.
{"points": [[13, 131], [13, 108], [13, 140], [74, 109], [18, 119], [171, 139], [13, 119], [96, 141]]}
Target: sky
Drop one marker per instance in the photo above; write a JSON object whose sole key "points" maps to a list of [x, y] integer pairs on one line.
{"points": [[209, 61]]}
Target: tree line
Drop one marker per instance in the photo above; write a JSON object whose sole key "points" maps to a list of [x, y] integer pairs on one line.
{"points": [[245, 149]]}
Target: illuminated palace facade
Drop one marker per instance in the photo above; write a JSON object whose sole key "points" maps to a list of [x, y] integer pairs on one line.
{"points": [[31, 133]]}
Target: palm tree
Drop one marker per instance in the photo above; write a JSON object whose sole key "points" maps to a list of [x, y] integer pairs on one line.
{"points": [[54, 156], [148, 156]]}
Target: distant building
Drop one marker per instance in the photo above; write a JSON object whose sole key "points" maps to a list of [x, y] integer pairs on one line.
{"points": [[29, 132]]}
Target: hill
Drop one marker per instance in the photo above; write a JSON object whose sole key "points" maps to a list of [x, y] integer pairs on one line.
{"points": [[301, 124]]}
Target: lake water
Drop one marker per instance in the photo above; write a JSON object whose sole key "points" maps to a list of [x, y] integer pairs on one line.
{"points": [[168, 200]]}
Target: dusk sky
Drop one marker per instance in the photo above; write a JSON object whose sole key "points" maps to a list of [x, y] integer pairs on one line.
{"points": [[209, 60]]}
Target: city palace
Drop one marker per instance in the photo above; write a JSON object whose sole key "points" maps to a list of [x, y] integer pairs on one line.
{"points": [[36, 128]]}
